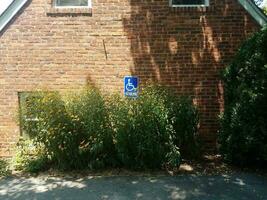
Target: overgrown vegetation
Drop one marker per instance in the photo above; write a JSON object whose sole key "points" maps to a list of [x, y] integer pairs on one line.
{"points": [[4, 168], [30, 157], [73, 129], [149, 130], [243, 134], [86, 130]]}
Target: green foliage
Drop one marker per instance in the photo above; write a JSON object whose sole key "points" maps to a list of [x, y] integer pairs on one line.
{"points": [[30, 157], [74, 129], [89, 116], [149, 130], [4, 168], [243, 134], [184, 119], [88, 130], [142, 132]]}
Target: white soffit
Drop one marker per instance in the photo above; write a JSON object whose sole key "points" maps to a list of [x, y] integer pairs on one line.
{"points": [[4, 5]]}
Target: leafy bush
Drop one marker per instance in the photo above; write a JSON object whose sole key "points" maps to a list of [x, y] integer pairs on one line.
{"points": [[30, 157], [92, 129], [88, 130], [4, 168], [184, 119], [142, 132], [243, 134], [74, 130], [149, 130]]}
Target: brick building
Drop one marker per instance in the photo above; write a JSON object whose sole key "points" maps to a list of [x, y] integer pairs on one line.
{"points": [[65, 44]]}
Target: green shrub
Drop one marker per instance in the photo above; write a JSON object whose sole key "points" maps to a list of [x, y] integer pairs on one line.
{"points": [[90, 119], [148, 130], [52, 127], [243, 134], [74, 130], [30, 157], [184, 119], [4, 168], [88, 130], [142, 133]]}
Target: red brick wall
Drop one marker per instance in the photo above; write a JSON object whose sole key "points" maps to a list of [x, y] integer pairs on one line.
{"points": [[184, 48]]}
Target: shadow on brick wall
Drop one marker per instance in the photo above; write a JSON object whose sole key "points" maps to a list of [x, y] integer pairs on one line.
{"points": [[186, 48]]}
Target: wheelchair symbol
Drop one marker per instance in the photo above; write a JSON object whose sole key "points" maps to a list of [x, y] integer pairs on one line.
{"points": [[130, 87]]}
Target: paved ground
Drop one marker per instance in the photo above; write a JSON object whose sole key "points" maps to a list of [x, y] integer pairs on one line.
{"points": [[186, 187]]}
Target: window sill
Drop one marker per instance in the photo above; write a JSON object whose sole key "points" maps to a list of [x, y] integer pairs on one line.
{"points": [[69, 11]]}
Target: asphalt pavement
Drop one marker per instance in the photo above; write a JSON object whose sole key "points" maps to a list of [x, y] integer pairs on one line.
{"points": [[236, 186]]}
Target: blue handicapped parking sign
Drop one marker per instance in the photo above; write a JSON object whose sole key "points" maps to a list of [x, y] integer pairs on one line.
{"points": [[131, 86]]}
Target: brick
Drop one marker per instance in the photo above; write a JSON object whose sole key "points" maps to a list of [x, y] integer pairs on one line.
{"points": [[184, 48]]}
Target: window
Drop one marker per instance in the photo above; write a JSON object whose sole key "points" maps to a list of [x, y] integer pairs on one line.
{"points": [[189, 3], [72, 3]]}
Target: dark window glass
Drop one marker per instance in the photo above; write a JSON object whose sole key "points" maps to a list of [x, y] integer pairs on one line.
{"points": [[188, 2], [72, 3]]}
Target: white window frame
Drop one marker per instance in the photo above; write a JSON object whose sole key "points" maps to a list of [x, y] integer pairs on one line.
{"points": [[207, 3], [89, 5]]}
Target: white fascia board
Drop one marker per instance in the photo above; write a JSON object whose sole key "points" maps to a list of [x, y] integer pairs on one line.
{"points": [[254, 11], [4, 5], [10, 12]]}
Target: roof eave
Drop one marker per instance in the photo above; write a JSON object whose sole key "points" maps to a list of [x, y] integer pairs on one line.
{"points": [[16, 5], [10, 12], [254, 11]]}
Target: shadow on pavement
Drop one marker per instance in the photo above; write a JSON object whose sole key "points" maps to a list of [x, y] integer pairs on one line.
{"points": [[185, 187]]}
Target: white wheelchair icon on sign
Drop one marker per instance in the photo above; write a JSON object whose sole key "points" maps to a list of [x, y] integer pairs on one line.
{"points": [[130, 87]]}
